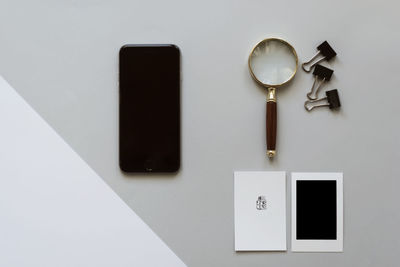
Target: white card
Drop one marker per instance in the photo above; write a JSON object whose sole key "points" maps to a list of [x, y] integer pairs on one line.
{"points": [[54, 209], [317, 212], [260, 211]]}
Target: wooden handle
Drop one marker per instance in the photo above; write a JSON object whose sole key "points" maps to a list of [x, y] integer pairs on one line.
{"points": [[271, 128]]}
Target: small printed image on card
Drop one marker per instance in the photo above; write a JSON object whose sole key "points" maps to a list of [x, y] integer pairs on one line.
{"points": [[260, 211], [317, 212]]}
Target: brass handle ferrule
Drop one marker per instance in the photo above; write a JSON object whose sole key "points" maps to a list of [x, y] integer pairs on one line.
{"points": [[271, 95]]}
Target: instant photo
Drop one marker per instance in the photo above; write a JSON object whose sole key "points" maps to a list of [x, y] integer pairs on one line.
{"points": [[317, 212]]}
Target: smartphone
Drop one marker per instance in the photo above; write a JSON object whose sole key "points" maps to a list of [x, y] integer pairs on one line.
{"points": [[149, 108]]}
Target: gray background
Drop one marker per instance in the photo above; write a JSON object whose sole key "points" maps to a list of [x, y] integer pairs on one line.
{"points": [[61, 56]]}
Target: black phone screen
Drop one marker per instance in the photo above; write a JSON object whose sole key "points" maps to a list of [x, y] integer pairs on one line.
{"points": [[149, 108]]}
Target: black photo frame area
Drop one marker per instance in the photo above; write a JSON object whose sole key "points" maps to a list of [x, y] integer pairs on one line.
{"points": [[316, 209]]}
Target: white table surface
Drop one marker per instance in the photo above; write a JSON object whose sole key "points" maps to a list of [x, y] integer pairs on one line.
{"points": [[61, 56]]}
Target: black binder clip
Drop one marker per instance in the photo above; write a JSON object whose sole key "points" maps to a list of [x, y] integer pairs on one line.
{"points": [[332, 97], [321, 73], [325, 50]]}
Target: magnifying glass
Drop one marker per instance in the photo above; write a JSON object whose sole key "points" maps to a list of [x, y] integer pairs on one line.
{"points": [[272, 62]]}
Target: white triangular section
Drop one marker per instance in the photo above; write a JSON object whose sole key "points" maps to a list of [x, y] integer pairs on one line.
{"points": [[54, 209]]}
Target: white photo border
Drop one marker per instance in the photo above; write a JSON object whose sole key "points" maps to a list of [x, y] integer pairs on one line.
{"points": [[319, 245]]}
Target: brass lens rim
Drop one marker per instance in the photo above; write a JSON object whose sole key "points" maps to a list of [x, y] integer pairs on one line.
{"points": [[285, 43]]}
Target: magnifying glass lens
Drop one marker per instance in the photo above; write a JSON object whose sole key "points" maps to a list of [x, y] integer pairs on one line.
{"points": [[273, 62]]}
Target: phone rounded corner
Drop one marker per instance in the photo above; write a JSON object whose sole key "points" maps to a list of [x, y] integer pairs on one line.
{"points": [[176, 47], [176, 168], [123, 168], [125, 46]]}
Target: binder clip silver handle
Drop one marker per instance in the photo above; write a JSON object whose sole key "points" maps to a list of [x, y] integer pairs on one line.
{"points": [[303, 66], [310, 107], [313, 94], [321, 73], [332, 98], [325, 50]]}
